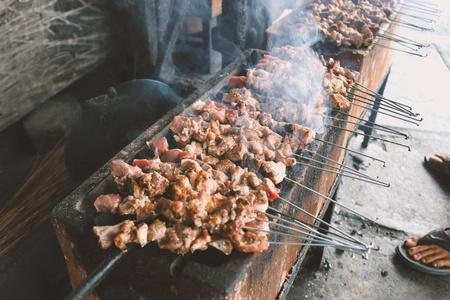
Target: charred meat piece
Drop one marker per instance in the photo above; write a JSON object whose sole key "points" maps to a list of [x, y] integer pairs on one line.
{"points": [[120, 169], [108, 203], [224, 165], [156, 230], [148, 165], [274, 171], [237, 81], [221, 244], [339, 102], [106, 234], [158, 146], [155, 183], [298, 137], [182, 129]]}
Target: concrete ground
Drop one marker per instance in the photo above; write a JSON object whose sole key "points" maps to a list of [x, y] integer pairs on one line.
{"points": [[418, 199]]}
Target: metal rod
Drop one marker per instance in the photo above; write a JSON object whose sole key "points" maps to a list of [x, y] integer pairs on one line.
{"points": [[381, 102], [397, 115], [348, 236], [303, 230], [353, 151], [427, 20], [422, 12], [384, 113], [367, 121], [319, 244], [341, 166], [344, 235], [401, 106], [407, 52], [102, 270], [411, 25], [314, 228], [401, 112], [373, 181], [371, 136], [330, 199], [404, 38], [363, 254], [415, 27], [381, 97], [423, 8], [401, 43], [424, 3], [381, 128]]}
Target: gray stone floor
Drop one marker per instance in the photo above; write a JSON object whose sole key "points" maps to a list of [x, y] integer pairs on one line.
{"points": [[417, 201]]}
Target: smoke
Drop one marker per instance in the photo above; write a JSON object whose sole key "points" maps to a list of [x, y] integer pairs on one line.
{"points": [[205, 42], [297, 28], [290, 80], [297, 72]]}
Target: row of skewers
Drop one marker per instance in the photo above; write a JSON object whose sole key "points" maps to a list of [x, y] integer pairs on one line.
{"points": [[225, 204], [358, 24], [215, 187]]}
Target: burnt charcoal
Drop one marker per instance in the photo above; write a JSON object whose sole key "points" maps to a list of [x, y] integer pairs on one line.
{"points": [[210, 257], [232, 193], [104, 219], [171, 141], [145, 154]]}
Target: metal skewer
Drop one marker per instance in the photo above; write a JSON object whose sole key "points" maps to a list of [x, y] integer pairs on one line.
{"points": [[398, 109], [396, 115], [401, 106], [371, 136], [363, 254], [401, 43], [335, 162], [303, 230], [427, 20], [370, 101], [361, 119], [311, 227], [350, 150], [381, 128], [317, 220], [384, 113], [436, 14], [406, 39], [423, 8], [407, 52], [314, 240], [372, 181], [424, 3], [411, 25], [389, 104], [382, 98], [330, 199], [367, 178], [341, 166]]}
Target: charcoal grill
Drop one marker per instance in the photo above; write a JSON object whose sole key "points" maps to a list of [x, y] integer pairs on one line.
{"points": [[156, 273]]}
